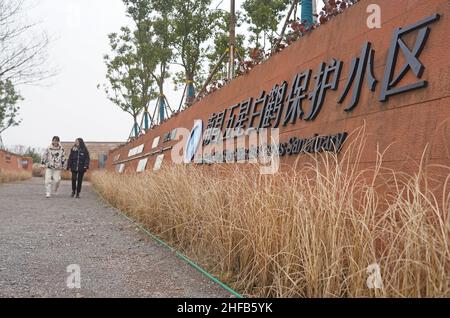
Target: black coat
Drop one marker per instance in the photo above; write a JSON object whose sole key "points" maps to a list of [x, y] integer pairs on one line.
{"points": [[78, 160]]}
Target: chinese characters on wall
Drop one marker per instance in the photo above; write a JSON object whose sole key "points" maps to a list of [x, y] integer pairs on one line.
{"points": [[304, 98]]}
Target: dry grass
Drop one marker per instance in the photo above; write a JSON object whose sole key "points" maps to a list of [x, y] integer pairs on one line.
{"points": [[13, 176], [309, 232], [38, 172]]}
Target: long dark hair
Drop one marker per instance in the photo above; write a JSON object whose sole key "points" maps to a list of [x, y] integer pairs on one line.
{"points": [[82, 145]]}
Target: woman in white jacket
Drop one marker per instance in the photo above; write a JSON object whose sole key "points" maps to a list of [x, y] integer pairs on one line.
{"points": [[54, 161]]}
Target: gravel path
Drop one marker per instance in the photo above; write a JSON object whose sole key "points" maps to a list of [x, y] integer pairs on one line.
{"points": [[40, 237]]}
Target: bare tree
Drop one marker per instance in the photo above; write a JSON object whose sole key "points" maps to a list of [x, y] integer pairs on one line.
{"points": [[23, 53], [23, 48]]}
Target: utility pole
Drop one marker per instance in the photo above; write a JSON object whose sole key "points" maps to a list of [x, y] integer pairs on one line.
{"points": [[232, 39]]}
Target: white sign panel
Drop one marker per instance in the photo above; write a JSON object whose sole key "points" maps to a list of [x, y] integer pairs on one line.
{"points": [[120, 168], [155, 142], [158, 162], [135, 151], [142, 165]]}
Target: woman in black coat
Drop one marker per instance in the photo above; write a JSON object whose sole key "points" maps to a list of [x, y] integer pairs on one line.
{"points": [[78, 163]]}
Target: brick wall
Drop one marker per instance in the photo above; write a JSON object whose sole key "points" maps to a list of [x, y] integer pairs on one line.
{"points": [[405, 124], [13, 162]]}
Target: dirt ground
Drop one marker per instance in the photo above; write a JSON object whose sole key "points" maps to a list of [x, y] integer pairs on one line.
{"points": [[40, 238]]}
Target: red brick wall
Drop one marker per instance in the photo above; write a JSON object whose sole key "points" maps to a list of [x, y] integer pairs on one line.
{"points": [[12, 162], [407, 122]]}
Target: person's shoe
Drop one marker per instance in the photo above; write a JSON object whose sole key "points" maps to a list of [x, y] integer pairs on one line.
{"points": [[73, 194], [78, 196], [48, 196]]}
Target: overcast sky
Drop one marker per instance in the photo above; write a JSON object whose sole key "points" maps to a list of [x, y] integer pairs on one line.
{"points": [[69, 104]]}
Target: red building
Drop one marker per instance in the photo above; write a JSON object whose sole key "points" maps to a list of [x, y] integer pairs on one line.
{"points": [[14, 163]]}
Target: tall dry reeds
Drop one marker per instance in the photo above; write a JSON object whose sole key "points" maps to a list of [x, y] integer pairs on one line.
{"points": [[320, 230], [13, 176]]}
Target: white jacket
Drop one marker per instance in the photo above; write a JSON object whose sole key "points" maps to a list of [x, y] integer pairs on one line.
{"points": [[54, 158]]}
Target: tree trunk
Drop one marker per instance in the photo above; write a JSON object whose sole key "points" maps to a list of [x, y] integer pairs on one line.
{"points": [[232, 39], [162, 102], [136, 127], [190, 94]]}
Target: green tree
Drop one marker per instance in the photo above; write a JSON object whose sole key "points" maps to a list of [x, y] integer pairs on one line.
{"points": [[127, 86], [163, 39], [140, 12], [264, 17], [153, 39], [162, 48], [222, 44], [22, 150], [149, 46], [194, 24], [9, 110], [33, 153]]}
